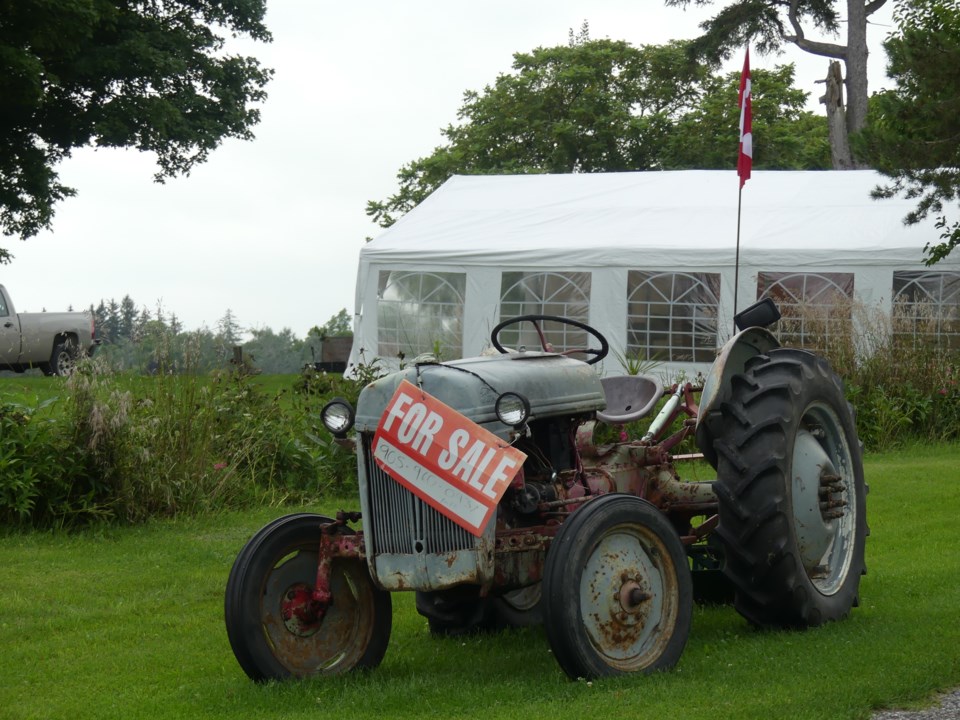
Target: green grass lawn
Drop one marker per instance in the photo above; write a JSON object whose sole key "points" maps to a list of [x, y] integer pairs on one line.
{"points": [[30, 389], [128, 623]]}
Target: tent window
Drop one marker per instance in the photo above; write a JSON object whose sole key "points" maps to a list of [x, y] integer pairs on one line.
{"points": [[816, 307], [420, 312], [927, 307], [672, 316], [565, 294]]}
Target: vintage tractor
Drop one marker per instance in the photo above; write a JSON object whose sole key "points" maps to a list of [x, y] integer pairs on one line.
{"points": [[484, 488]]}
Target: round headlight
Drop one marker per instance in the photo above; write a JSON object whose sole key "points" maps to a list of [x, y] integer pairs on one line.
{"points": [[337, 416], [513, 409]]}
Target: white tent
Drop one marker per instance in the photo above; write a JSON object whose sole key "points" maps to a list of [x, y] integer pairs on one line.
{"points": [[647, 258]]}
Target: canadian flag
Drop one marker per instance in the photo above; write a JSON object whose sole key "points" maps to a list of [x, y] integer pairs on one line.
{"points": [[745, 158]]}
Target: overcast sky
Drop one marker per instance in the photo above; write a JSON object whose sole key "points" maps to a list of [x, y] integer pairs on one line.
{"points": [[272, 228]]}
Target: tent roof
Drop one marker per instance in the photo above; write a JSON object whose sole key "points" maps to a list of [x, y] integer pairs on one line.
{"points": [[656, 219]]}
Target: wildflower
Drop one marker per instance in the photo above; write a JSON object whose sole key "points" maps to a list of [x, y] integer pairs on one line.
{"points": [[623, 435], [219, 465]]}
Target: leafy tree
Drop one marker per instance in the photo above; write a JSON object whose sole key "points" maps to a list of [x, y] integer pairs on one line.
{"points": [[275, 353], [339, 324], [786, 136], [589, 106], [117, 73], [770, 24], [602, 105], [913, 136]]}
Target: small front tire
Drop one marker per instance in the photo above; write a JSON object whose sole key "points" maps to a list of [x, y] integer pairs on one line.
{"points": [[617, 594], [278, 565]]}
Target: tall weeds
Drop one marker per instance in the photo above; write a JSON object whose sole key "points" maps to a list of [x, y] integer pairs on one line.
{"points": [[129, 447], [900, 373]]}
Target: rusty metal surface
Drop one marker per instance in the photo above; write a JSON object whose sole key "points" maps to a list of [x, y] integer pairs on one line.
{"points": [[303, 640], [640, 470], [521, 554], [628, 596]]}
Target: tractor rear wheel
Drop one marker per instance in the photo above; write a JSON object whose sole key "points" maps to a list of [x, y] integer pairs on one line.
{"points": [[791, 492], [275, 629], [617, 595]]}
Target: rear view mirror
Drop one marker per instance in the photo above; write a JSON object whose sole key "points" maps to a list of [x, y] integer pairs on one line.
{"points": [[760, 314]]}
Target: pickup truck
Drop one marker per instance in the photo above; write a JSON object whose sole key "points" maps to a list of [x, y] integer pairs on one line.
{"points": [[51, 342]]}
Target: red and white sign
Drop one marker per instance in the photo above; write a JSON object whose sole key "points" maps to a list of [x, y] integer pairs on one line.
{"points": [[444, 458]]}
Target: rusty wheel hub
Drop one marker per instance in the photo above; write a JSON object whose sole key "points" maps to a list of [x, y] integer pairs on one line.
{"points": [[632, 599], [301, 614]]}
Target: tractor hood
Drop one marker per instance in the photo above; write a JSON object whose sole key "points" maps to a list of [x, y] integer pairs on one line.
{"points": [[554, 385]]}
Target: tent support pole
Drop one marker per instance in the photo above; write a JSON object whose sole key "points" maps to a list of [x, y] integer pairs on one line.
{"points": [[736, 263]]}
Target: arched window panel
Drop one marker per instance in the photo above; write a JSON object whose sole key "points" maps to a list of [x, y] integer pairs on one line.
{"points": [[926, 307], [672, 317], [420, 312], [816, 308], [564, 294]]}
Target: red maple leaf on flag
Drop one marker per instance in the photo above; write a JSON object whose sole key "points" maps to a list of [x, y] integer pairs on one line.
{"points": [[745, 158]]}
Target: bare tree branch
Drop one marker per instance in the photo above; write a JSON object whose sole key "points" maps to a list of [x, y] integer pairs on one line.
{"points": [[831, 50]]}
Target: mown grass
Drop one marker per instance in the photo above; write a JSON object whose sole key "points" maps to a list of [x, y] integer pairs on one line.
{"points": [[126, 622]]}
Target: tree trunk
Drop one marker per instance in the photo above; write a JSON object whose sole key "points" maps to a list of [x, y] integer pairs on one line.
{"points": [[856, 62], [837, 119]]}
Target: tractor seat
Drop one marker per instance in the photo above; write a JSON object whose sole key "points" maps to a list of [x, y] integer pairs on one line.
{"points": [[629, 398]]}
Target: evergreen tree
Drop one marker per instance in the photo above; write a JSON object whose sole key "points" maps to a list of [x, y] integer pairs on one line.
{"points": [[128, 318], [914, 132], [228, 330]]}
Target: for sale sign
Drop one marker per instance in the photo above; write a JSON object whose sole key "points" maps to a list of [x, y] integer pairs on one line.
{"points": [[444, 458]]}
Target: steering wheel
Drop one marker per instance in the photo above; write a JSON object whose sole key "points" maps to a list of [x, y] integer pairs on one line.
{"points": [[598, 353]]}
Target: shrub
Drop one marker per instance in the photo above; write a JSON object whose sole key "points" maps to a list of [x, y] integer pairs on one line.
{"points": [[899, 374], [129, 447], [314, 389]]}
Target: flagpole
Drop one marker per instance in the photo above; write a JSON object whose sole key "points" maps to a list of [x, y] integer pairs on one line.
{"points": [[744, 163], [736, 263]]}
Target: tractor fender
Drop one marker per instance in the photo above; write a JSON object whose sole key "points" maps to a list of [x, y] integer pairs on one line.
{"points": [[717, 388]]}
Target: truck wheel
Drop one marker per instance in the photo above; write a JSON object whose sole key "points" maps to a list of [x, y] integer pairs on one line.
{"points": [[63, 360], [272, 630], [791, 493], [617, 595]]}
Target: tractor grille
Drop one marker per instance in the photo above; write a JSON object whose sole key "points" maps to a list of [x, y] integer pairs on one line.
{"points": [[401, 523]]}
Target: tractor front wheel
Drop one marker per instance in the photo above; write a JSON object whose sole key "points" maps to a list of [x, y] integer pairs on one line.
{"points": [[617, 594], [275, 627], [791, 492]]}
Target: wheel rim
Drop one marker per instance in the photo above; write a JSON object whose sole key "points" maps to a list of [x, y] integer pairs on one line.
{"points": [[628, 592], [823, 498], [66, 363], [302, 640]]}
